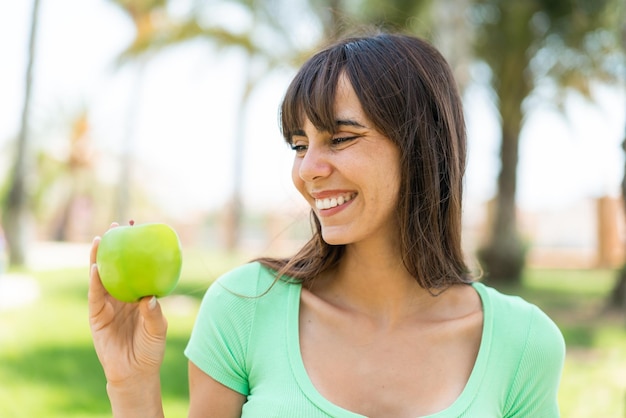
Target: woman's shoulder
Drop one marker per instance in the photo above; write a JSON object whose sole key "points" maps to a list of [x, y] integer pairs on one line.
{"points": [[235, 294], [512, 306], [249, 280], [527, 351], [519, 321]]}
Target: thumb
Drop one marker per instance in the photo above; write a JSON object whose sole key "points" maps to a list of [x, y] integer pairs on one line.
{"points": [[154, 321]]}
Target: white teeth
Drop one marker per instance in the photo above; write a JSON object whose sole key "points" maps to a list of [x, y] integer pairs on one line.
{"points": [[328, 203]]}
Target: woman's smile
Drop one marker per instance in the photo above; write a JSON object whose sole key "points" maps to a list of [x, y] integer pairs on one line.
{"points": [[332, 200]]}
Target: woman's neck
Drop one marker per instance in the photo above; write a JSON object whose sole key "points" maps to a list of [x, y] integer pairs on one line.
{"points": [[373, 281]]}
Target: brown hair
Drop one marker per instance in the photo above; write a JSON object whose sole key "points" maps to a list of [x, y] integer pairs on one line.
{"points": [[407, 90]]}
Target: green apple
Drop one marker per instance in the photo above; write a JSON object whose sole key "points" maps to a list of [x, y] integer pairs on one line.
{"points": [[139, 260]]}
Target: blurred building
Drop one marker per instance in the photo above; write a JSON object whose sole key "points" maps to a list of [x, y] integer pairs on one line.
{"points": [[589, 233]]}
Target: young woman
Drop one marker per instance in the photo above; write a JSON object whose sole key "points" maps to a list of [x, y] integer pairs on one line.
{"points": [[377, 315]]}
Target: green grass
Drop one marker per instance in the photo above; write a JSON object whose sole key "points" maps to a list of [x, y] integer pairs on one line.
{"points": [[48, 367]]}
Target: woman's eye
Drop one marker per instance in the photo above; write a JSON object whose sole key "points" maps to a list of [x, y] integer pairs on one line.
{"points": [[342, 139], [298, 148]]}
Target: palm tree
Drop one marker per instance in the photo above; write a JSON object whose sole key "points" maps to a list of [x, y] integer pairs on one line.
{"points": [[521, 41], [155, 30], [518, 40], [146, 16], [266, 43], [16, 205]]}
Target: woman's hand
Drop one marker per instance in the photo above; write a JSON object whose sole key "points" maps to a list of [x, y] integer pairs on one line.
{"points": [[129, 339]]}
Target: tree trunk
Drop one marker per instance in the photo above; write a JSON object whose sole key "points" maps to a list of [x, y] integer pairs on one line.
{"points": [[234, 208], [60, 232], [16, 214], [617, 298], [503, 257], [123, 201]]}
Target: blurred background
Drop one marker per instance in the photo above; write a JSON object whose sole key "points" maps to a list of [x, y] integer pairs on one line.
{"points": [[167, 110]]}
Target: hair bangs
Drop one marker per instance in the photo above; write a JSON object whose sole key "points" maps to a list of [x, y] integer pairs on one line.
{"points": [[311, 95]]}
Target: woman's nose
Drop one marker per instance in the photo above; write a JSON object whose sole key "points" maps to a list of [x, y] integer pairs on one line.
{"points": [[314, 164]]}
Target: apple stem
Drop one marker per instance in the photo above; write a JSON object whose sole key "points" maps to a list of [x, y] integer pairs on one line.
{"points": [[131, 222]]}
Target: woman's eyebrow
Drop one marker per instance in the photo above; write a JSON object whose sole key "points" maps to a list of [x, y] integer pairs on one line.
{"points": [[338, 123], [349, 122]]}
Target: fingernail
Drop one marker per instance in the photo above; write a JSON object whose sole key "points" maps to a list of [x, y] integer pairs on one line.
{"points": [[152, 302]]}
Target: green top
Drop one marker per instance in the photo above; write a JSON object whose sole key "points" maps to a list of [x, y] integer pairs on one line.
{"points": [[246, 337]]}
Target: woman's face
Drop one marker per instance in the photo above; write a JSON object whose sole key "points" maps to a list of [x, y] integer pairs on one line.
{"points": [[351, 178]]}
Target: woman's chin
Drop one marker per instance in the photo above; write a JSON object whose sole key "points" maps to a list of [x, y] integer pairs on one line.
{"points": [[334, 238]]}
